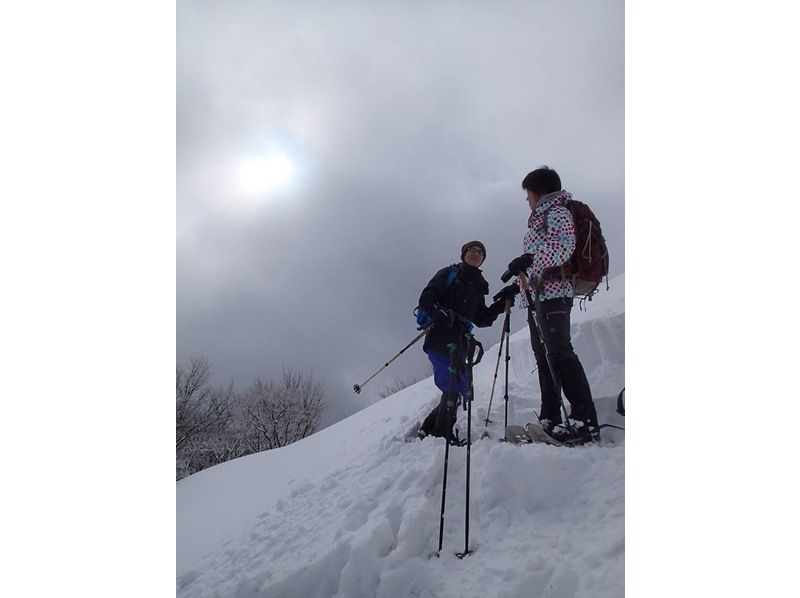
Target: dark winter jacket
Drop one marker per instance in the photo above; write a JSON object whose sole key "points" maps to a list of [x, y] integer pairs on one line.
{"points": [[462, 288]]}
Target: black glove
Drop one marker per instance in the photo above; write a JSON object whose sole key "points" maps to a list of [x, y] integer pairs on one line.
{"points": [[518, 264], [444, 317], [509, 292]]}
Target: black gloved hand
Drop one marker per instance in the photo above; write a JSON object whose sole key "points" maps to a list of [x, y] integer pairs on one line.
{"points": [[508, 292], [444, 317], [518, 264]]}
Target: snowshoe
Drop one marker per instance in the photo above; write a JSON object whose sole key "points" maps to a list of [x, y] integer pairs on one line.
{"points": [[517, 435], [537, 433]]}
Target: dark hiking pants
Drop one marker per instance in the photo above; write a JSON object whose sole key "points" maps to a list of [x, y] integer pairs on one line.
{"points": [[556, 330]]}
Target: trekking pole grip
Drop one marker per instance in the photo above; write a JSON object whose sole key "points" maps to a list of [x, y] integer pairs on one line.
{"points": [[523, 282]]}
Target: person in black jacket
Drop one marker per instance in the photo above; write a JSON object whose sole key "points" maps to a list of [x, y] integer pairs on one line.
{"points": [[451, 303]]}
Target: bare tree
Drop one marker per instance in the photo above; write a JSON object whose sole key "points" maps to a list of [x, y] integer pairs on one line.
{"points": [[214, 425], [198, 408], [277, 414], [202, 419]]}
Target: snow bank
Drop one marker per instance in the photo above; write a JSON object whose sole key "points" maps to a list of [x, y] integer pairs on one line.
{"points": [[354, 510]]}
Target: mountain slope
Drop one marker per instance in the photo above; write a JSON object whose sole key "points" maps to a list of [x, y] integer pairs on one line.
{"points": [[354, 510]]}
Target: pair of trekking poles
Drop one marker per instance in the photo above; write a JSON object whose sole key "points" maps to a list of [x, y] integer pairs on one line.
{"points": [[503, 339], [455, 357], [453, 370]]}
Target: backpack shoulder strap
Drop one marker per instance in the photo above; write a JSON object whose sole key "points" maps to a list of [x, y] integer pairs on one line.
{"points": [[558, 272], [568, 206], [451, 276]]}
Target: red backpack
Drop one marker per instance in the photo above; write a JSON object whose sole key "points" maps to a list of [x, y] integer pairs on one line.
{"points": [[589, 262]]}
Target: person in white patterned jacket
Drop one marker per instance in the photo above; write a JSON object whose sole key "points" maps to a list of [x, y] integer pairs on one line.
{"points": [[548, 244]]}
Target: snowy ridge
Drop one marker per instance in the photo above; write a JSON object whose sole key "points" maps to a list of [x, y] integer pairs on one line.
{"points": [[353, 510]]}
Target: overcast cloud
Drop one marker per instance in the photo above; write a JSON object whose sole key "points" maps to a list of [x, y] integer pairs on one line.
{"points": [[411, 125]]}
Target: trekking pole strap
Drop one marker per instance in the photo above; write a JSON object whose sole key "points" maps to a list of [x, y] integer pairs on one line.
{"points": [[476, 360]]}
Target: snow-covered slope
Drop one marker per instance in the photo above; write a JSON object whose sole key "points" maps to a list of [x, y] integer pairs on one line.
{"points": [[353, 510]]}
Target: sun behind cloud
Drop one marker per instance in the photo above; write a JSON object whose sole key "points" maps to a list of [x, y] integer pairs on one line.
{"points": [[261, 174]]}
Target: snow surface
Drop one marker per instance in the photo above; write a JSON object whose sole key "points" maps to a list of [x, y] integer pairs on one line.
{"points": [[353, 510]]}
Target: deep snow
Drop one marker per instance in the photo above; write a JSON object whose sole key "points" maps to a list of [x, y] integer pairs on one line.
{"points": [[353, 510]]}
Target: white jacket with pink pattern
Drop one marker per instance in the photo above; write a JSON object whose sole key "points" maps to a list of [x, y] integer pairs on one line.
{"points": [[551, 244]]}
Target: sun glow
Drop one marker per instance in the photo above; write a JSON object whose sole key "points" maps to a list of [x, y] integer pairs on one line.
{"points": [[259, 175]]}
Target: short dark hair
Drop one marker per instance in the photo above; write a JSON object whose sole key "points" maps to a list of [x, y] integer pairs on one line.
{"points": [[543, 180]]}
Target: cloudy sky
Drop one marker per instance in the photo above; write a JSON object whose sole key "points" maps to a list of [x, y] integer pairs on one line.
{"points": [[332, 156]]}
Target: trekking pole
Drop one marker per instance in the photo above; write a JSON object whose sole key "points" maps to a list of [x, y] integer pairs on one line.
{"points": [[497, 366], [450, 383], [357, 387], [535, 315], [471, 343], [508, 344]]}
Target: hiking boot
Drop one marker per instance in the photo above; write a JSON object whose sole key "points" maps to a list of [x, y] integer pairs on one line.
{"points": [[455, 440], [547, 425], [581, 432]]}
